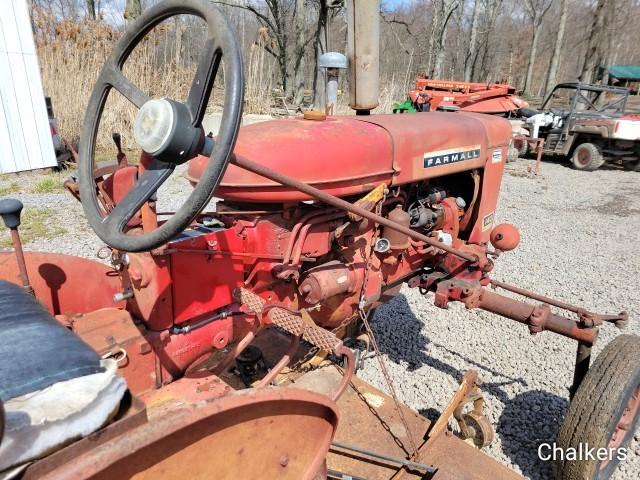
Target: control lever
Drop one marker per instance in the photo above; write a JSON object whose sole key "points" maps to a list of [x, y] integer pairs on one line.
{"points": [[121, 157], [10, 210]]}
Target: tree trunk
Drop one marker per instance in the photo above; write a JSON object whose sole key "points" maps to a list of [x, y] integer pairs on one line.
{"points": [[91, 9], [178, 39], [435, 21], [299, 64], [440, 54], [132, 10], [594, 54], [532, 59], [320, 47], [555, 58], [441, 20], [479, 68], [471, 53]]}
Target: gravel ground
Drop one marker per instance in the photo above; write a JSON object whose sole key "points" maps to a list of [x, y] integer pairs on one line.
{"points": [[578, 230]]}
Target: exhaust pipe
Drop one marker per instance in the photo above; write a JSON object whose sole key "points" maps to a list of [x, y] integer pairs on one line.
{"points": [[363, 52]]}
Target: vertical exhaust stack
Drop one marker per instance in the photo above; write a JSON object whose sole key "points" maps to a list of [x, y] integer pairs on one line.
{"points": [[363, 52]]}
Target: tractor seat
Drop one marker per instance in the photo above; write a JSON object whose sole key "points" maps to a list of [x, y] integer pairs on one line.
{"points": [[54, 386]]}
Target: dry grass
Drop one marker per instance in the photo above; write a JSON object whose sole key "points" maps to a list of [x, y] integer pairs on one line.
{"points": [[72, 53]]}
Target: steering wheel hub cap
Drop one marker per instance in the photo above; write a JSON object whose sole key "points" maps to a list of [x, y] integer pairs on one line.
{"points": [[153, 125]]}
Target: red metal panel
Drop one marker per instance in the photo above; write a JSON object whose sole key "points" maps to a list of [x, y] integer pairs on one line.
{"points": [[203, 283], [416, 135], [65, 284], [340, 155]]}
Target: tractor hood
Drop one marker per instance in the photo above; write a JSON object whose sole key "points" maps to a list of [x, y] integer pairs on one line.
{"points": [[350, 155]]}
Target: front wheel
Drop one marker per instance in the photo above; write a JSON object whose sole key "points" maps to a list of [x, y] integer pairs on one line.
{"points": [[603, 413], [588, 157]]}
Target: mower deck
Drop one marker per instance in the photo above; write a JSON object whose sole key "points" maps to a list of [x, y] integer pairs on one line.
{"points": [[369, 420]]}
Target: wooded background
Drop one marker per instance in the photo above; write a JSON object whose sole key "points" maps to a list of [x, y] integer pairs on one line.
{"points": [[531, 44]]}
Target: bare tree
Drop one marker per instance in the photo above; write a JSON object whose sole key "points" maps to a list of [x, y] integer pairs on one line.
{"points": [[443, 9], [319, 47], [132, 10], [91, 9], [473, 34], [492, 10], [275, 21], [298, 52], [536, 9], [552, 73], [597, 40]]}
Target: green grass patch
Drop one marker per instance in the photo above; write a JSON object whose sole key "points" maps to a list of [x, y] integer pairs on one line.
{"points": [[9, 188], [37, 224], [48, 185]]}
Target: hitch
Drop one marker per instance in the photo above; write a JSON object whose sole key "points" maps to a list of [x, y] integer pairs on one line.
{"points": [[474, 294]]}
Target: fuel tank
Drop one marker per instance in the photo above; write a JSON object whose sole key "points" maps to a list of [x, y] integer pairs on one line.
{"points": [[350, 155]]}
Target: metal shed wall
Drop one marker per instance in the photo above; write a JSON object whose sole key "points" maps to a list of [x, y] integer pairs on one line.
{"points": [[25, 135]]}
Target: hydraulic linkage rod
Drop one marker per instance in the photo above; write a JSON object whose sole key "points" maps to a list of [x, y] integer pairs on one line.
{"points": [[344, 205]]}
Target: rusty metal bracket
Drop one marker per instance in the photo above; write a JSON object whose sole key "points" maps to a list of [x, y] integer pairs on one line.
{"points": [[467, 384], [586, 319], [474, 424]]}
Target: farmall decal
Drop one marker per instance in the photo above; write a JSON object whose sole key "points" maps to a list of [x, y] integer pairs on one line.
{"points": [[446, 157]]}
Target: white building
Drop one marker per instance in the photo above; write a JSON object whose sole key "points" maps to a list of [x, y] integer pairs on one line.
{"points": [[25, 134]]}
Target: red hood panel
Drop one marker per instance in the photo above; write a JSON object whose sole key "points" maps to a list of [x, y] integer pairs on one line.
{"points": [[350, 155], [340, 155]]}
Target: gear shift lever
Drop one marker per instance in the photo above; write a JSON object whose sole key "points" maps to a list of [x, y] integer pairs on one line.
{"points": [[10, 210]]}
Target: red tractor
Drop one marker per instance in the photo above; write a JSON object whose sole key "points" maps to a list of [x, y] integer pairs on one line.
{"points": [[230, 327]]}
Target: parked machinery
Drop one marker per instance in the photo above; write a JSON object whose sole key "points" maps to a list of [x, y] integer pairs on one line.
{"points": [[452, 95]]}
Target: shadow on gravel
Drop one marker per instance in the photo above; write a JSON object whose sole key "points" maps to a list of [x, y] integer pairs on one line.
{"points": [[566, 163], [528, 420], [404, 342]]}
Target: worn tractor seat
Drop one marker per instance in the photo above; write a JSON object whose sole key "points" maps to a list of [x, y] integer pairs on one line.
{"points": [[54, 387]]}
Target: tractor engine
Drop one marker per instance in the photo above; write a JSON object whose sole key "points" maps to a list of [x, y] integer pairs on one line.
{"points": [[436, 174]]}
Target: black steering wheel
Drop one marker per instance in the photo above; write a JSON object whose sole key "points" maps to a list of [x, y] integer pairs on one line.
{"points": [[167, 130]]}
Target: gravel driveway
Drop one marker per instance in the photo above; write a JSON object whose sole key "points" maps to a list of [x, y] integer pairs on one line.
{"points": [[580, 232]]}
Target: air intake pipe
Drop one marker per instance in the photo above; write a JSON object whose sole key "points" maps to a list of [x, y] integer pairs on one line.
{"points": [[363, 52]]}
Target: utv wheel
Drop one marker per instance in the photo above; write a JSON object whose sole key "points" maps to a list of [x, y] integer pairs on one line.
{"points": [[603, 412], [587, 156], [522, 146], [512, 154]]}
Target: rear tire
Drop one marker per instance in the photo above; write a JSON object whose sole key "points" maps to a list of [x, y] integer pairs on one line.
{"points": [[588, 157], [604, 411]]}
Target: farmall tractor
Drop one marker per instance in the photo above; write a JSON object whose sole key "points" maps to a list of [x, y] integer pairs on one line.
{"points": [[231, 328]]}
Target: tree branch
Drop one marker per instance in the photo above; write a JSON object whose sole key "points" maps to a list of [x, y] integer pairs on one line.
{"points": [[260, 16]]}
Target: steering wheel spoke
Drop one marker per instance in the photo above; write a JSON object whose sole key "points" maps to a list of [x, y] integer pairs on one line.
{"points": [[122, 84], [202, 85], [154, 176]]}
